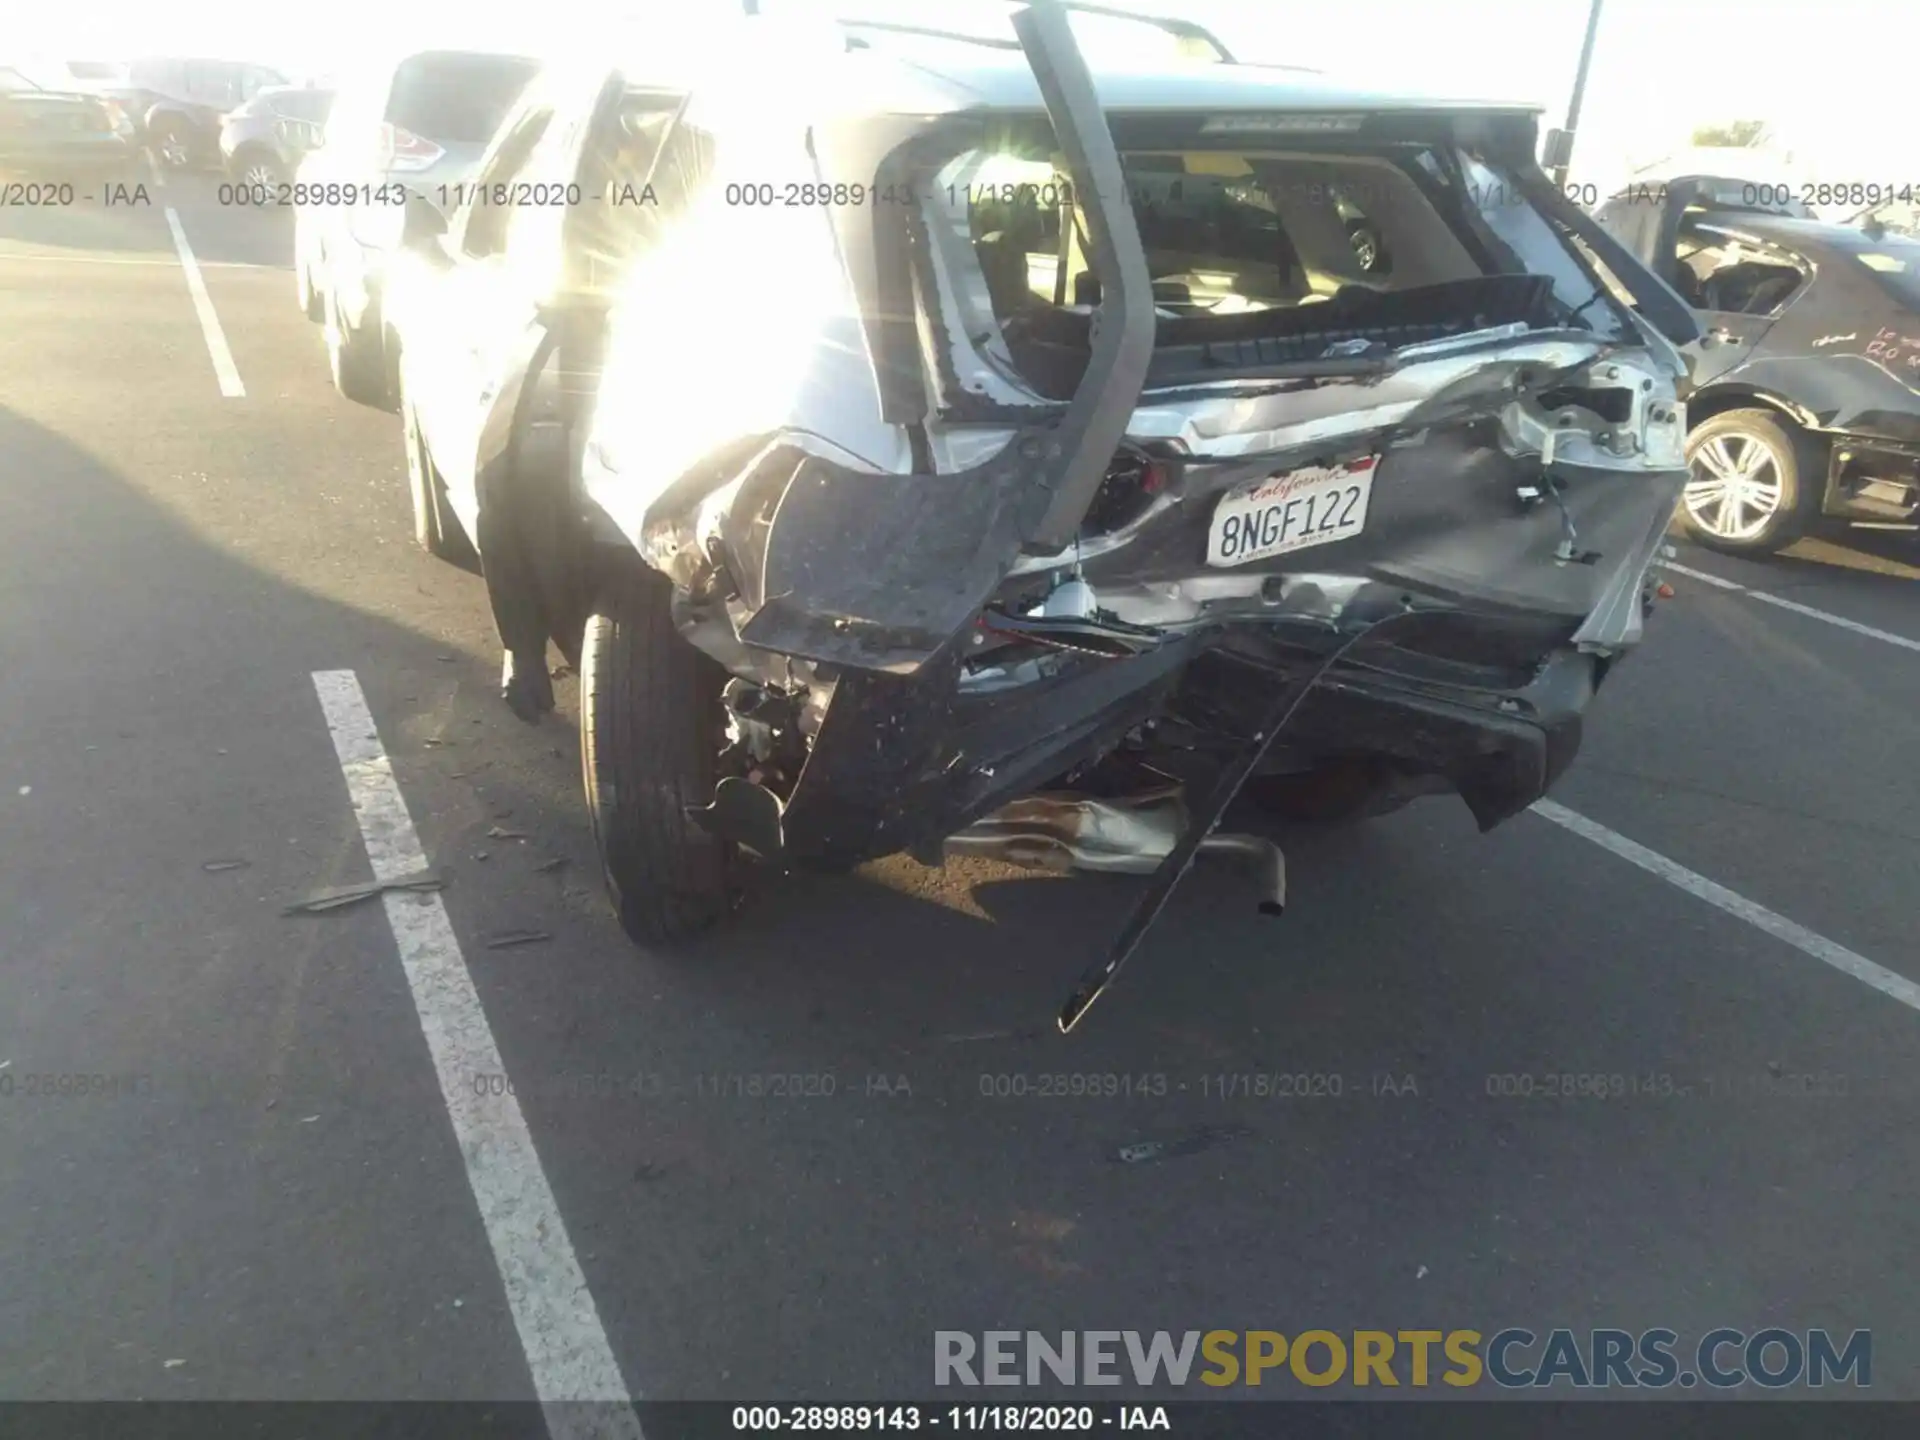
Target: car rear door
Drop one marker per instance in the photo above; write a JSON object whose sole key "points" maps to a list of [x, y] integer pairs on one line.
{"points": [[604, 162], [1717, 271], [462, 321]]}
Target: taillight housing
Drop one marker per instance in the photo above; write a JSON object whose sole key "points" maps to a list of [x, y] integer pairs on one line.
{"points": [[1138, 476], [403, 150]]}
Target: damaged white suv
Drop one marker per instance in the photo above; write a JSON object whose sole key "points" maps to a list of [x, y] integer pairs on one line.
{"points": [[921, 428]]}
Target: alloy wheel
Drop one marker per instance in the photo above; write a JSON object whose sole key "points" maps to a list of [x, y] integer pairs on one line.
{"points": [[1735, 487], [260, 178]]}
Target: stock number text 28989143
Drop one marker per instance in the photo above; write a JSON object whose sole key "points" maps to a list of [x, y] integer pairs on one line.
{"points": [[770, 194]]}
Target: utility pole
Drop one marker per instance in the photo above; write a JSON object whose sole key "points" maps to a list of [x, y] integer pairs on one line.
{"points": [[1564, 153]]}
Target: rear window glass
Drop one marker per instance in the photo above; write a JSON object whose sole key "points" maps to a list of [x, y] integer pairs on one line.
{"points": [[456, 98], [1225, 232]]}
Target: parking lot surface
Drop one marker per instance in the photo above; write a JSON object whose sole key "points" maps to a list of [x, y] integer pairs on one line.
{"points": [[265, 1155]]}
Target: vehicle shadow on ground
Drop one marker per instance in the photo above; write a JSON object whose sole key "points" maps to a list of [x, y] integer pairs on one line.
{"points": [[956, 1175]]}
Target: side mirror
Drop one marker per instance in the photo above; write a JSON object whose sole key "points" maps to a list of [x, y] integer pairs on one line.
{"points": [[1556, 151]]}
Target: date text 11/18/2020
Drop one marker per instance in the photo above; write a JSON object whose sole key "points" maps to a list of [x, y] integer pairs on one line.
{"points": [[900, 1419]]}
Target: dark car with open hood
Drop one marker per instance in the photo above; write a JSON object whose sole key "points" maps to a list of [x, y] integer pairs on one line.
{"points": [[924, 443], [1805, 385]]}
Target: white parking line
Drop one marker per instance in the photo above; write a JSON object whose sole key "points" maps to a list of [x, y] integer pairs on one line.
{"points": [[559, 1326], [223, 366], [1884, 636], [1808, 942]]}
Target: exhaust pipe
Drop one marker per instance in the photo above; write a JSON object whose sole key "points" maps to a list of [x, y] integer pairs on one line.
{"points": [[1112, 837]]}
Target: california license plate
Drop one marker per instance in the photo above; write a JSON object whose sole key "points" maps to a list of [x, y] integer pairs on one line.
{"points": [[1293, 510]]}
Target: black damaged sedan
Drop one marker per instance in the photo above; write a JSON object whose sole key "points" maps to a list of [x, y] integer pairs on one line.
{"points": [[1806, 383]]}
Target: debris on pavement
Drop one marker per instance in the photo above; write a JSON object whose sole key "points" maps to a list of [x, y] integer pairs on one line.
{"points": [[435, 744], [503, 939], [1421, 1273], [547, 867], [173, 1364], [214, 867], [343, 895], [498, 833], [1026, 1034], [26, 789]]}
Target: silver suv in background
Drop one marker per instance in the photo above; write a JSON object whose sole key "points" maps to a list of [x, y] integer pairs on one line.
{"points": [[262, 143], [177, 103], [403, 136]]}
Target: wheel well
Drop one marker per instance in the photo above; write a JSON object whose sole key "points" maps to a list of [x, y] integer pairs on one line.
{"points": [[1718, 402]]}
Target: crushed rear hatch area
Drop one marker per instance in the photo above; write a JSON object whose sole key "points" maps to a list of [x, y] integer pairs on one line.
{"points": [[1317, 459]]}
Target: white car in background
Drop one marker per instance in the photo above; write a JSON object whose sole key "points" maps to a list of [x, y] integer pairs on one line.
{"points": [[404, 132]]}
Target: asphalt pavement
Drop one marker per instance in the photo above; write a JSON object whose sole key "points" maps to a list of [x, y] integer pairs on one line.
{"points": [[246, 1154]]}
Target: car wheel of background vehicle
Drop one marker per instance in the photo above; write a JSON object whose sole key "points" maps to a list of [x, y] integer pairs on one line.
{"points": [[650, 734], [359, 369], [1744, 492], [306, 295], [171, 142], [258, 172], [437, 532]]}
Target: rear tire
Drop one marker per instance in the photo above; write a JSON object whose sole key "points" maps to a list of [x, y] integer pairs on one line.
{"points": [[306, 296], [650, 730], [434, 529], [305, 292], [1750, 490], [359, 369]]}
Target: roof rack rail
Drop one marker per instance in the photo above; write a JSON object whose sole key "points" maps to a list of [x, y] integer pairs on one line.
{"points": [[1189, 33], [893, 27]]}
